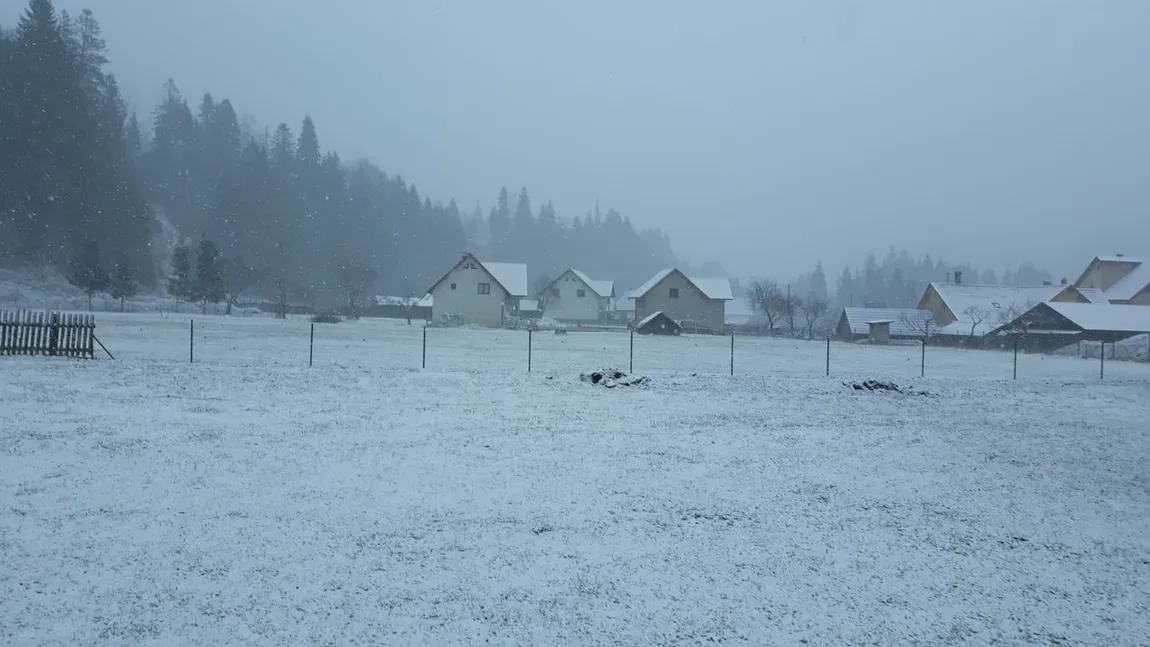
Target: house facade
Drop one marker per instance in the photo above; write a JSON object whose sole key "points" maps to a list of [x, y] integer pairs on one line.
{"points": [[682, 298], [1121, 279], [479, 292], [576, 297]]}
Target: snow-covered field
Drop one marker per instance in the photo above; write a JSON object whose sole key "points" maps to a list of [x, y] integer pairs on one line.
{"points": [[248, 499]]}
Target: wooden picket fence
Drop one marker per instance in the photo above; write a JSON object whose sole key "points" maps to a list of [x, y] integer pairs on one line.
{"points": [[28, 332]]}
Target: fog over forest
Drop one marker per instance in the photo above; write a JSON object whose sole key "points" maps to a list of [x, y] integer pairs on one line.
{"points": [[843, 148]]}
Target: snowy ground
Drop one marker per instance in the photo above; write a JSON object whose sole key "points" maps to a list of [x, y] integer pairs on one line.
{"points": [[248, 499]]}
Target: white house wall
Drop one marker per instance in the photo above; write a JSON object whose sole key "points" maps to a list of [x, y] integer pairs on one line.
{"points": [[568, 305], [691, 304], [464, 298]]}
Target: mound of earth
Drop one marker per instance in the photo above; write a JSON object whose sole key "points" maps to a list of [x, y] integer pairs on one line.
{"points": [[612, 378]]}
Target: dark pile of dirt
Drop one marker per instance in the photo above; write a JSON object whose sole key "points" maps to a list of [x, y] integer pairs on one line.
{"points": [[884, 387], [612, 378]]}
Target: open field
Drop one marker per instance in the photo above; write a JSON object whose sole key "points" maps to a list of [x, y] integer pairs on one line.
{"points": [[392, 344], [248, 499]]}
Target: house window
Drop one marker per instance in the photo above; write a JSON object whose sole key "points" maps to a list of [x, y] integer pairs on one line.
{"points": [[485, 288], [674, 293], [452, 286], [580, 293]]}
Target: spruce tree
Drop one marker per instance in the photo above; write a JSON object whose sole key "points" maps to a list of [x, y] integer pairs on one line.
{"points": [[181, 282], [87, 272], [209, 282], [123, 283]]}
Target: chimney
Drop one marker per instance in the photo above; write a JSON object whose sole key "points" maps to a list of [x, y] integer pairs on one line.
{"points": [[1046, 282], [1064, 280], [958, 277], [1119, 255]]}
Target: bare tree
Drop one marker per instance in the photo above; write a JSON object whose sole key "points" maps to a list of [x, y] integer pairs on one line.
{"points": [[813, 312], [764, 296], [237, 276], [921, 322], [543, 292], [409, 300], [790, 306], [354, 280], [974, 315]]}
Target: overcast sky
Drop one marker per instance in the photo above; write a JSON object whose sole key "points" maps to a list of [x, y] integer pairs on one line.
{"points": [[763, 134]]}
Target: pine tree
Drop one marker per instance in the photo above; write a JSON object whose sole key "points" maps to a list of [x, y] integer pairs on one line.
{"points": [[181, 282], [123, 283], [209, 282], [87, 271]]}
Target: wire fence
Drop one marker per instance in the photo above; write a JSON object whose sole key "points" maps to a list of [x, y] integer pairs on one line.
{"points": [[393, 344]]}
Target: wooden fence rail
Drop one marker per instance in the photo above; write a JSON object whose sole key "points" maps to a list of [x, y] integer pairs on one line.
{"points": [[29, 332]]}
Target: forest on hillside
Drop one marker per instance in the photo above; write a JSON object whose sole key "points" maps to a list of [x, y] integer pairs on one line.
{"points": [[93, 191]]}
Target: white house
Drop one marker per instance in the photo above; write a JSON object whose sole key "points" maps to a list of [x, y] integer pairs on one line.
{"points": [[697, 300], [479, 292], [576, 297]]}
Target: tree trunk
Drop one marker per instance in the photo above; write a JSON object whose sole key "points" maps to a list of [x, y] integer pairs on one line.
{"points": [[204, 310], [89, 302], [121, 304]]}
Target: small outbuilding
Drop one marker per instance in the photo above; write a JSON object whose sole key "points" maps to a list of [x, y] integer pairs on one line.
{"points": [[658, 323], [880, 331]]}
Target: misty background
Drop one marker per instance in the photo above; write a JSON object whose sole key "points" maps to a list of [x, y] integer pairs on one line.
{"points": [[766, 137]]}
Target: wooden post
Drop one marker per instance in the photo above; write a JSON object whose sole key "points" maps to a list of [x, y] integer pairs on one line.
{"points": [[828, 355], [191, 340], [311, 346], [922, 366], [732, 354], [631, 360], [425, 346], [1016, 359], [528, 350], [54, 336], [1102, 359]]}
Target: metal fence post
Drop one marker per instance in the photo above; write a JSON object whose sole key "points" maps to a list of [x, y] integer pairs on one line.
{"points": [[1016, 359], [1102, 361], [191, 340], [922, 366], [311, 346], [424, 346], [631, 356], [528, 350], [732, 353], [828, 355]]}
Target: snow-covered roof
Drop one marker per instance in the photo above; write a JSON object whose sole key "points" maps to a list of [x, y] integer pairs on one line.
{"points": [[1117, 258], [1105, 317], [719, 289], [512, 276], [879, 322], [1130, 285], [1093, 295], [904, 322], [649, 318], [994, 301], [602, 288]]}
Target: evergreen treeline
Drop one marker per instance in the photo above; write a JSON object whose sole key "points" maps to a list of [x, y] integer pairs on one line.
{"points": [[79, 180], [68, 196], [899, 280]]}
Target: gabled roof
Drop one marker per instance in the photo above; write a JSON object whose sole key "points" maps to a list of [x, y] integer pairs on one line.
{"points": [[512, 277], [717, 289], [1105, 317], [604, 289], [994, 299], [1130, 285], [1093, 295], [904, 322]]}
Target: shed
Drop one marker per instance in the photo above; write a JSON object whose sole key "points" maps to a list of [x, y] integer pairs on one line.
{"points": [[880, 330], [906, 323], [658, 323]]}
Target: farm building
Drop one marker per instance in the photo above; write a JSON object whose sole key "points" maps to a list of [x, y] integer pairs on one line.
{"points": [[658, 323], [578, 298], [479, 292], [1116, 279], [696, 303], [971, 311], [1053, 325], [402, 307], [905, 323]]}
